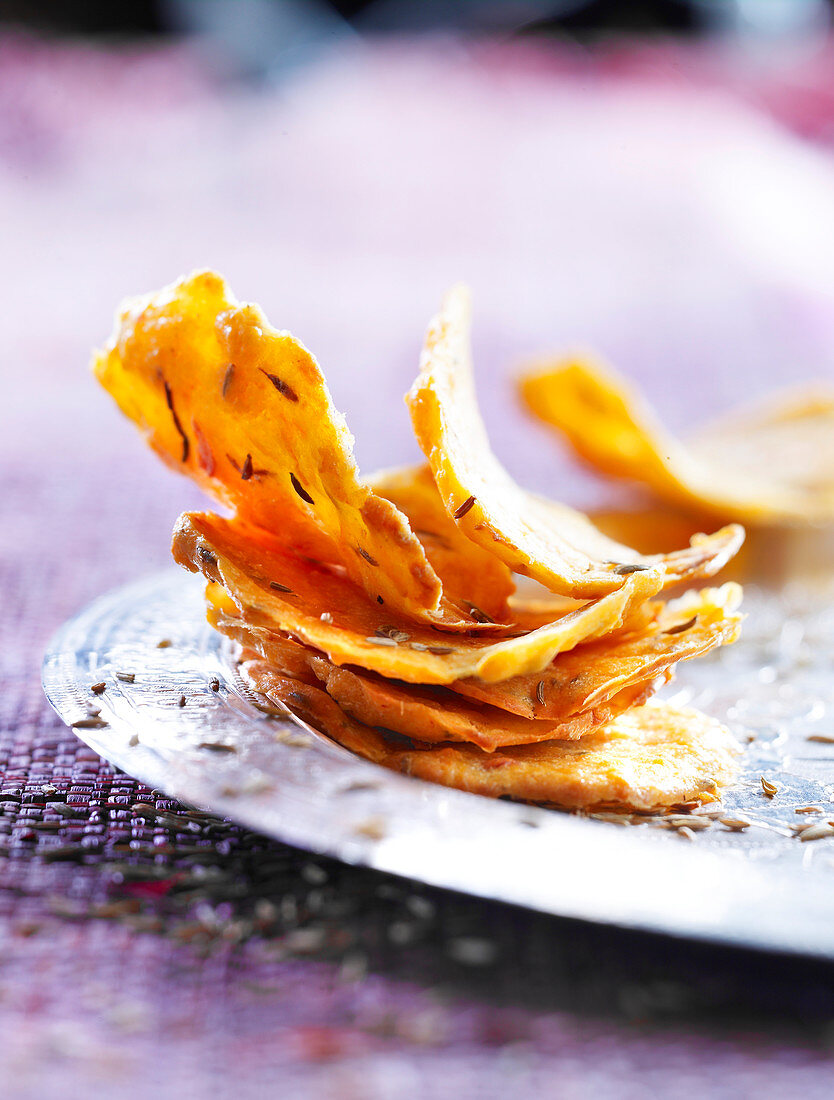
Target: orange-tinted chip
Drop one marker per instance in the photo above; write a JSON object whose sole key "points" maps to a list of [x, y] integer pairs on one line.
{"points": [[435, 714], [431, 714], [550, 542], [772, 464], [648, 758], [316, 603], [594, 672], [244, 410], [315, 707], [473, 578]]}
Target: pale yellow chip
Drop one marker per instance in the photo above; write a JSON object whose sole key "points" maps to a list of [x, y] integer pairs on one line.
{"points": [[276, 591], [244, 410], [770, 465], [593, 672], [648, 758], [550, 542]]}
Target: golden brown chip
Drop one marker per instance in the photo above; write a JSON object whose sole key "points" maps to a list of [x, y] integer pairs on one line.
{"points": [[648, 758], [435, 714], [594, 672], [473, 578], [425, 713], [315, 707], [550, 542], [288, 658], [244, 410], [769, 465], [276, 591]]}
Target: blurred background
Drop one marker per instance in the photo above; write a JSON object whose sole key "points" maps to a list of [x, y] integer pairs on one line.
{"points": [[652, 180]]}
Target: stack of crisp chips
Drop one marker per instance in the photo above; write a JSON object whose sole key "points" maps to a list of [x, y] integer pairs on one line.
{"points": [[440, 620]]}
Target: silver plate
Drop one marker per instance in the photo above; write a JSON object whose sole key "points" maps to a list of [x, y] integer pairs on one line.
{"points": [[762, 888]]}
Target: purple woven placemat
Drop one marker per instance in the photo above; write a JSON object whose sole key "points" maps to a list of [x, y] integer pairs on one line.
{"points": [[146, 950]]}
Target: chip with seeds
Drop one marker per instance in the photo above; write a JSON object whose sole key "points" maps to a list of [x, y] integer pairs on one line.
{"points": [[437, 620], [244, 410], [593, 672], [471, 576], [648, 758], [425, 713], [550, 542], [435, 714], [358, 631], [719, 470]]}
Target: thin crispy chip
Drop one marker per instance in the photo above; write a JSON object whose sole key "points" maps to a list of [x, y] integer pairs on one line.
{"points": [[531, 614], [594, 672], [325, 610], [435, 714], [473, 578], [315, 707], [431, 714], [288, 658], [648, 758], [550, 542], [771, 464], [244, 410]]}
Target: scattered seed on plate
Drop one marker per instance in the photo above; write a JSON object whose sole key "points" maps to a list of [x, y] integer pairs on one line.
{"points": [[164, 643], [216, 746], [821, 738], [818, 831], [181, 701], [373, 828], [126, 677], [769, 789], [89, 724], [97, 689], [735, 824], [294, 738], [214, 684], [808, 810], [689, 821], [612, 819], [686, 831], [359, 785]]}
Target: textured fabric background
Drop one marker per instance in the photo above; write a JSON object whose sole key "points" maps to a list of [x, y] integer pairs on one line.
{"points": [[651, 203]]}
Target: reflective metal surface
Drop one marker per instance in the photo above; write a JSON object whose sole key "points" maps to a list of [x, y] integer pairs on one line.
{"points": [[761, 888]]}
